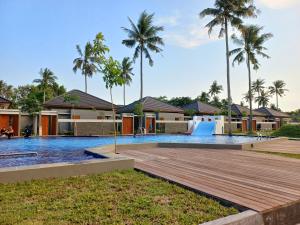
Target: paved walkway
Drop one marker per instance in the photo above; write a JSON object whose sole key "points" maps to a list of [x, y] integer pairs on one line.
{"points": [[261, 182]]}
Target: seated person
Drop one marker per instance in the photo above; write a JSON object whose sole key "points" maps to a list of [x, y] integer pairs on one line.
{"points": [[2, 132], [27, 132], [10, 132]]}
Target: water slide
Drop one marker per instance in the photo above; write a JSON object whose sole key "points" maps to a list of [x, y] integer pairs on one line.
{"points": [[204, 128]]}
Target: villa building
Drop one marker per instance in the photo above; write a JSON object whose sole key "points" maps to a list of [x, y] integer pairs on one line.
{"points": [[84, 115], [157, 116]]}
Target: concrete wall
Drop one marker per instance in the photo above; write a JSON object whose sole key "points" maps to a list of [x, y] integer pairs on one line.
{"points": [[87, 129], [234, 127], [170, 116], [92, 114], [175, 128], [26, 120]]}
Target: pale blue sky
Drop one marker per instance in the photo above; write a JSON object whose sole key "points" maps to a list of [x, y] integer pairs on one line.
{"points": [[37, 34]]}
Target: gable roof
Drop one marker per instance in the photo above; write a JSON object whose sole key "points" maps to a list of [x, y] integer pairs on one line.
{"points": [[273, 113], [240, 110], [85, 101], [150, 105], [201, 107], [4, 100]]}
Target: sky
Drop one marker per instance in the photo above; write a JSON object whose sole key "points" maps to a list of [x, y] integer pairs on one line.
{"points": [[38, 34]]}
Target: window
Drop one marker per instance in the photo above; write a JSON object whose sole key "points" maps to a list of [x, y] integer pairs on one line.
{"points": [[177, 118]]}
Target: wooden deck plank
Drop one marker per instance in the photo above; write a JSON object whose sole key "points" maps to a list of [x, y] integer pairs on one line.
{"points": [[253, 180]]}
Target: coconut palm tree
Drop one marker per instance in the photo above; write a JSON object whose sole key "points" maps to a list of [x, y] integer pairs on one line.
{"points": [[85, 62], [225, 13], [47, 79], [126, 67], [144, 38], [250, 46], [278, 88], [258, 87], [247, 96], [263, 99], [215, 89], [203, 97]]}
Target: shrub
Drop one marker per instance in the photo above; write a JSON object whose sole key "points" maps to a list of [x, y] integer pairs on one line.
{"points": [[292, 131]]}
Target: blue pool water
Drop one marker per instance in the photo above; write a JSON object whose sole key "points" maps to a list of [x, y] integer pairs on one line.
{"points": [[71, 149]]}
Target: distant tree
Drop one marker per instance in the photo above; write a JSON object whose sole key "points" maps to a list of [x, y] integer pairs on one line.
{"points": [[46, 81], [144, 38], [180, 101], [58, 89], [273, 106], [86, 62], [263, 99], [190, 112], [278, 88], [203, 97], [250, 46], [258, 87], [215, 89], [112, 76], [162, 99], [127, 73], [216, 102], [225, 13]]}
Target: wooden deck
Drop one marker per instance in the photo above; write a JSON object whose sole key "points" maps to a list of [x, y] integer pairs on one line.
{"points": [[257, 181], [284, 146]]}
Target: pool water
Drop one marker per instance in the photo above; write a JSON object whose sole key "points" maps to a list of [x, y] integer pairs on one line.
{"points": [[72, 149]]}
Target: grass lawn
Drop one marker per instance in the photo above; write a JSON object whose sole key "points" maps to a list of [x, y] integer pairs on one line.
{"points": [[123, 197], [289, 155]]}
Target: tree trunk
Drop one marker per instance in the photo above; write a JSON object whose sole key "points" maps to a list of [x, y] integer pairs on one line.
{"points": [[258, 94], [114, 121], [85, 80], [250, 97], [277, 101], [124, 94], [228, 79], [141, 65]]}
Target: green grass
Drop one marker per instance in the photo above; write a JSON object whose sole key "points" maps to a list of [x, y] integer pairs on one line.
{"points": [[289, 155], [122, 197], [292, 131]]}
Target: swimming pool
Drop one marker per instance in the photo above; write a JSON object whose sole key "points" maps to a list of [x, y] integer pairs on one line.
{"points": [[72, 149]]}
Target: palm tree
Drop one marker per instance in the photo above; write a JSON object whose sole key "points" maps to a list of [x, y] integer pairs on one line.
{"points": [[47, 79], [278, 88], [225, 13], [85, 62], [204, 97], [258, 87], [251, 45], [126, 74], [215, 89], [144, 38], [263, 99]]}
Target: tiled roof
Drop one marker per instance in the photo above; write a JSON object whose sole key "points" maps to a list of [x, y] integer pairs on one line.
{"points": [[85, 101], [151, 105], [202, 108], [4, 100], [240, 110], [272, 112]]}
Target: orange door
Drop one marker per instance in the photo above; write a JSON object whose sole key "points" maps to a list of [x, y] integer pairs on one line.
{"points": [[4, 121], [15, 124], [127, 125], [53, 125], [244, 126], [45, 125], [254, 125], [150, 125]]}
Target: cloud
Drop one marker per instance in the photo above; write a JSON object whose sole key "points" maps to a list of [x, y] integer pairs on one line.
{"points": [[278, 4], [185, 31], [190, 37]]}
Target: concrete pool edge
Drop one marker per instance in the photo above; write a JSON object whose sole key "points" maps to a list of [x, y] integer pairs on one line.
{"points": [[55, 170], [108, 150]]}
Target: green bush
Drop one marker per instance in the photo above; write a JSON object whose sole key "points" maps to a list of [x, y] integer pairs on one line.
{"points": [[292, 131]]}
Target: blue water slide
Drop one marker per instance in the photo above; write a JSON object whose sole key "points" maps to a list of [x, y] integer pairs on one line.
{"points": [[204, 128]]}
